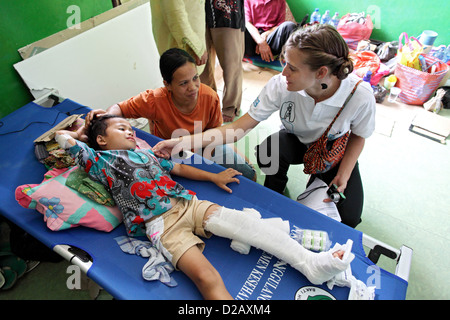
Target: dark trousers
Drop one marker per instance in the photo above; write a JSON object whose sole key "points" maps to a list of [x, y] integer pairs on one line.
{"points": [[280, 150], [275, 40]]}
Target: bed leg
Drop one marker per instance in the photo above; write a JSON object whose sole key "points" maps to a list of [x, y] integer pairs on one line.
{"points": [[402, 256]]}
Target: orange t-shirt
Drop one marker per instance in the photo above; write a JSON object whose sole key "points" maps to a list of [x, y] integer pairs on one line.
{"points": [[157, 106]]}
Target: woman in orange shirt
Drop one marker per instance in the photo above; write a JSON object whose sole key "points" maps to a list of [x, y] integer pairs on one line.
{"points": [[184, 106]]}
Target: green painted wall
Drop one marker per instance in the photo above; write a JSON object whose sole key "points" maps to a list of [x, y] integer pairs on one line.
{"points": [[390, 17], [25, 21]]}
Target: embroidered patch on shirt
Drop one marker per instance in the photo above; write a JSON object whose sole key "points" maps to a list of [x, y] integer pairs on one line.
{"points": [[256, 102]]}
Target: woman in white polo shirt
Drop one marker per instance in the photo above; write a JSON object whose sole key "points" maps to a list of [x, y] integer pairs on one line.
{"points": [[313, 86]]}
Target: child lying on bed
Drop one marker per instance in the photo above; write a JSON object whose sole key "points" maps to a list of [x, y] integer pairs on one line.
{"points": [[172, 216]]}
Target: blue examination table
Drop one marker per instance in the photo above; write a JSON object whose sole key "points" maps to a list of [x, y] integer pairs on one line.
{"points": [[253, 276]]}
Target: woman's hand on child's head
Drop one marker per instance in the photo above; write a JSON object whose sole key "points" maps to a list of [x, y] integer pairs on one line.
{"points": [[92, 115], [221, 179]]}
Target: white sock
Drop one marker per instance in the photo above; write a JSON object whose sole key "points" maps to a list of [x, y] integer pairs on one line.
{"points": [[237, 225]]}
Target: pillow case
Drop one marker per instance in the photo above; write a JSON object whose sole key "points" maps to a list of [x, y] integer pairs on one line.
{"points": [[64, 207]]}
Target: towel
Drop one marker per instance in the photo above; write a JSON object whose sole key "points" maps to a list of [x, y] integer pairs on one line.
{"points": [[157, 267]]}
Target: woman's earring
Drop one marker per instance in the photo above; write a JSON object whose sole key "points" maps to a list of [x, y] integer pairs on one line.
{"points": [[324, 86]]}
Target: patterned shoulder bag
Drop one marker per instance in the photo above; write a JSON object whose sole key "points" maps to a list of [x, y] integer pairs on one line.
{"points": [[320, 158]]}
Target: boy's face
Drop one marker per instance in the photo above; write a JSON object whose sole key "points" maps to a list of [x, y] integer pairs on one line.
{"points": [[119, 135]]}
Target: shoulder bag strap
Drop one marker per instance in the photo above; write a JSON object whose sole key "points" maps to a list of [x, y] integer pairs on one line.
{"points": [[342, 108]]}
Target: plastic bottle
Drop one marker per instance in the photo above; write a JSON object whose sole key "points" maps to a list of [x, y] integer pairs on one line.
{"points": [[440, 52], [423, 63], [390, 81], [335, 20], [368, 76], [313, 239], [447, 54], [315, 16], [326, 17]]}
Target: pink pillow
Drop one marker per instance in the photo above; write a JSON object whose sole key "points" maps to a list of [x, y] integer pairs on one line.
{"points": [[64, 207]]}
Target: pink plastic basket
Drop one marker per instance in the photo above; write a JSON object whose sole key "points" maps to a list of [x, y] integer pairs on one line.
{"points": [[418, 86]]}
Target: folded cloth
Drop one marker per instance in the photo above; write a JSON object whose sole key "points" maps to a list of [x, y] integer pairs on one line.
{"points": [[80, 181], [58, 158], [157, 267]]}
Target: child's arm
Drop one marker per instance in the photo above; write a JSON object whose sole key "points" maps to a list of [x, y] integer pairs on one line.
{"points": [[221, 179], [66, 139], [69, 137]]}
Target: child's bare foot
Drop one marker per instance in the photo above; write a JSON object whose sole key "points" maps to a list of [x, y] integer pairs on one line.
{"points": [[339, 254]]}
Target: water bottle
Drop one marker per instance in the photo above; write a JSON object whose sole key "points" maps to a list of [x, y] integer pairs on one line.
{"points": [[447, 54], [440, 52], [326, 17], [335, 20], [315, 16]]}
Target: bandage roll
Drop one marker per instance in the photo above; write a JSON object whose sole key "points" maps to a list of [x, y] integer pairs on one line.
{"points": [[240, 247]]}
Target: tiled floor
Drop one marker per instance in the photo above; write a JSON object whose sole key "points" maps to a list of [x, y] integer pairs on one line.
{"points": [[405, 180]]}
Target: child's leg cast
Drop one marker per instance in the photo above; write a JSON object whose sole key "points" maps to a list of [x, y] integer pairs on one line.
{"points": [[238, 225]]}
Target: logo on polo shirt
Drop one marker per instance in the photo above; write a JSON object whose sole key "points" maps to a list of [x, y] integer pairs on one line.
{"points": [[256, 102], [287, 111]]}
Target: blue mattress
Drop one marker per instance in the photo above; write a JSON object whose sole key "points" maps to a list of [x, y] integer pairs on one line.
{"points": [[253, 276]]}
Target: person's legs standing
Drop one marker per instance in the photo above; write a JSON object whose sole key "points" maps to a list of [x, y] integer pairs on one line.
{"points": [[207, 76], [229, 46]]}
